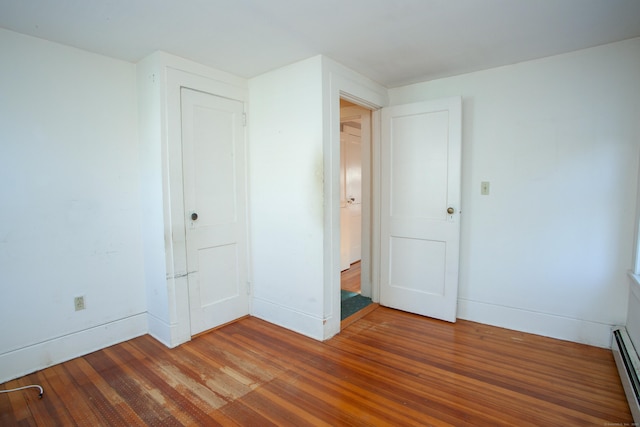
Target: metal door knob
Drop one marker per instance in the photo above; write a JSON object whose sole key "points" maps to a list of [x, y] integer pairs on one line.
{"points": [[194, 216], [450, 211]]}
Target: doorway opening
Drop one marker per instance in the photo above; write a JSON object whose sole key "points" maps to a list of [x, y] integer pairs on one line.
{"points": [[355, 211]]}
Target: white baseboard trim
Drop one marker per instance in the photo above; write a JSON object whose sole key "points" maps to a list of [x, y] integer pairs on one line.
{"points": [[26, 360], [549, 325], [167, 334], [302, 323], [159, 329]]}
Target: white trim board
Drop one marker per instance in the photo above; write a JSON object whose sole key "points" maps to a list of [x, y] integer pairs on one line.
{"points": [[167, 334], [26, 360], [548, 325], [297, 321]]}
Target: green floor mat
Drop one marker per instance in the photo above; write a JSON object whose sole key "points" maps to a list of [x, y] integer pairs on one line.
{"points": [[352, 304]]}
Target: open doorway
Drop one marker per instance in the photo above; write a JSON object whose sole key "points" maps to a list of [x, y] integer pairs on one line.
{"points": [[355, 209]]}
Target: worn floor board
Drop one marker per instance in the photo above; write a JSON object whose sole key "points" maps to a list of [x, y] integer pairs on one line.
{"points": [[388, 368]]}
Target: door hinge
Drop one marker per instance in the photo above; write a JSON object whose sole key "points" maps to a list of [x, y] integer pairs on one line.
{"points": [[244, 119], [248, 288]]}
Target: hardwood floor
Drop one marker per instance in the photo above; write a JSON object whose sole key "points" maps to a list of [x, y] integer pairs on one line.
{"points": [[350, 278], [390, 368], [350, 281]]}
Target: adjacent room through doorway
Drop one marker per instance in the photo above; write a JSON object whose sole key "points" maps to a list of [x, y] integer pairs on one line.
{"points": [[354, 149]]}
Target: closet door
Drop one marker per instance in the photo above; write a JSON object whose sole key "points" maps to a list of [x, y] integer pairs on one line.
{"points": [[420, 207], [215, 204]]}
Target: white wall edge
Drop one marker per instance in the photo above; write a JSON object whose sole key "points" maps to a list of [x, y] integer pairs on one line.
{"points": [[548, 325], [26, 360], [302, 323]]}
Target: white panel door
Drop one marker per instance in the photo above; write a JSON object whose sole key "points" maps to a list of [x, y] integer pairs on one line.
{"points": [[420, 214], [350, 196], [345, 231], [213, 151], [353, 186]]}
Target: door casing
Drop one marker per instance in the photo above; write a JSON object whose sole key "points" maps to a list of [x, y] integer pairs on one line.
{"points": [[178, 328]]}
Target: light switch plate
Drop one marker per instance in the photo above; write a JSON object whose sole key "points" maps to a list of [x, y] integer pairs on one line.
{"points": [[484, 188]]}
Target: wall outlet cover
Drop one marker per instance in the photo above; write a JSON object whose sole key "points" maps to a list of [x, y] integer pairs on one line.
{"points": [[485, 188]]}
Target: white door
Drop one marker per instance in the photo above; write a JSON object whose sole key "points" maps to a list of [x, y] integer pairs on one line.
{"points": [[345, 234], [420, 207], [213, 151], [350, 193], [353, 189]]}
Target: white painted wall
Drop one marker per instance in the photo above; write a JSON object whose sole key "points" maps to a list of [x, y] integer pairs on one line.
{"points": [[546, 252], [286, 196], [294, 148], [549, 249], [70, 194]]}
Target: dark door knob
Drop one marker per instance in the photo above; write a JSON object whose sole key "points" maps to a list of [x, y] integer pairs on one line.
{"points": [[450, 211], [194, 216]]}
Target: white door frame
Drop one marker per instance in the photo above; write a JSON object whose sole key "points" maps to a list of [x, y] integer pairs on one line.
{"points": [[366, 192], [173, 197], [344, 83], [371, 210]]}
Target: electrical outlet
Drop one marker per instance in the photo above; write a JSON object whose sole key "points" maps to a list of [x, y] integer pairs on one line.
{"points": [[78, 302]]}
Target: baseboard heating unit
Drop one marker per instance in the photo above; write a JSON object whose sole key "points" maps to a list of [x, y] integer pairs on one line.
{"points": [[628, 364]]}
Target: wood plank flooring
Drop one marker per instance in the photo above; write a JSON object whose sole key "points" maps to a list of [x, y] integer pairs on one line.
{"points": [[389, 368], [350, 281], [350, 278]]}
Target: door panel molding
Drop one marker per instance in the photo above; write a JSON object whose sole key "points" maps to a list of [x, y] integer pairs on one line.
{"points": [[420, 181], [214, 179]]}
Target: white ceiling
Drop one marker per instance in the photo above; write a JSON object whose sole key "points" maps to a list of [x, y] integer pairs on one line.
{"points": [[393, 42]]}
